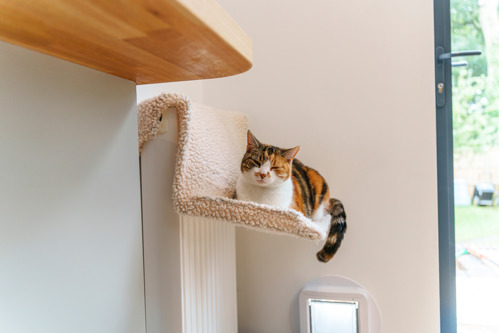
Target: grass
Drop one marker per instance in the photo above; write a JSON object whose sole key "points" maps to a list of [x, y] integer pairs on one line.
{"points": [[475, 223]]}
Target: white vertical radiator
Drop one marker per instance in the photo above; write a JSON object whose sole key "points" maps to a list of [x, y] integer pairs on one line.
{"points": [[189, 262], [208, 275]]}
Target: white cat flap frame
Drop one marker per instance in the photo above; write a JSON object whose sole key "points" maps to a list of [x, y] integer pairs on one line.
{"points": [[337, 304], [211, 143]]}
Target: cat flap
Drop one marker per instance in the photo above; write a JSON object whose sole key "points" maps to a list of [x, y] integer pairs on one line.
{"points": [[211, 143]]}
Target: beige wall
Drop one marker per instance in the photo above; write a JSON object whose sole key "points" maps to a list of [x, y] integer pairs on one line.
{"points": [[352, 83]]}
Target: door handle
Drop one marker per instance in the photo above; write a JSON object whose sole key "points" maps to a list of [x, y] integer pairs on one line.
{"points": [[441, 57], [459, 64], [448, 55]]}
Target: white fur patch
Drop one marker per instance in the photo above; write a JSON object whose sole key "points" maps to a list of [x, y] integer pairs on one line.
{"points": [[265, 168], [319, 213], [277, 193]]}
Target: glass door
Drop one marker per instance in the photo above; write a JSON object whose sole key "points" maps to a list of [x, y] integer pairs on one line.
{"points": [[467, 96]]}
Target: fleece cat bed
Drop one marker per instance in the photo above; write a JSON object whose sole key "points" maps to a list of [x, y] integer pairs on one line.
{"points": [[211, 144]]}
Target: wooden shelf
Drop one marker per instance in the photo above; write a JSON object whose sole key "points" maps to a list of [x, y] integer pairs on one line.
{"points": [[145, 41]]}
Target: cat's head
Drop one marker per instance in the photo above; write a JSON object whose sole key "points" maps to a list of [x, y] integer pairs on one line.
{"points": [[266, 165]]}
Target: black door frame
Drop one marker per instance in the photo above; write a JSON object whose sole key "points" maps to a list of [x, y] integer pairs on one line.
{"points": [[445, 174]]}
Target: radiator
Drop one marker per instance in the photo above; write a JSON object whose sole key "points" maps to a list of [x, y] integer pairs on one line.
{"points": [[208, 275]]}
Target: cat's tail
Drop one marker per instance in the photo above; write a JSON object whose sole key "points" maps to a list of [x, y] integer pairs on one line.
{"points": [[336, 232]]}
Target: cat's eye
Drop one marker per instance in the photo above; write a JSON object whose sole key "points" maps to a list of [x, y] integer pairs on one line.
{"points": [[274, 168], [271, 150]]}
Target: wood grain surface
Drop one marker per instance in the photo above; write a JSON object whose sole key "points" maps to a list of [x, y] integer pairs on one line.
{"points": [[145, 41]]}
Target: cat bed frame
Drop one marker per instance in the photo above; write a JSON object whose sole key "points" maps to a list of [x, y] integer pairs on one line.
{"points": [[211, 144]]}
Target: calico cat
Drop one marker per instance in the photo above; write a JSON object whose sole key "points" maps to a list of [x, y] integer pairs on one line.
{"points": [[272, 176]]}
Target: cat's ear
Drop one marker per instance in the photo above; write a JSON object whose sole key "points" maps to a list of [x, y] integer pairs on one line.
{"points": [[252, 141], [289, 154]]}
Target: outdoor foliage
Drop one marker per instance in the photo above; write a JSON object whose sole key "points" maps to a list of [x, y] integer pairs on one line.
{"points": [[475, 90], [467, 33], [475, 113]]}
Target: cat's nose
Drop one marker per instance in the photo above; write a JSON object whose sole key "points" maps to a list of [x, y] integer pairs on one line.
{"points": [[264, 175]]}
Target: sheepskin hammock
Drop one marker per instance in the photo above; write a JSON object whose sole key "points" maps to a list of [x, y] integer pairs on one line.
{"points": [[211, 144]]}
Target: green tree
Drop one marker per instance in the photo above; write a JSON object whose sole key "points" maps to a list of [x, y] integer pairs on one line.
{"points": [[475, 113], [467, 32], [476, 88]]}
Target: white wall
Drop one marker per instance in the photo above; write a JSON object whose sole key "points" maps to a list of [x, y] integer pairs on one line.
{"points": [[352, 83], [162, 266], [160, 221], [70, 215], [192, 89]]}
